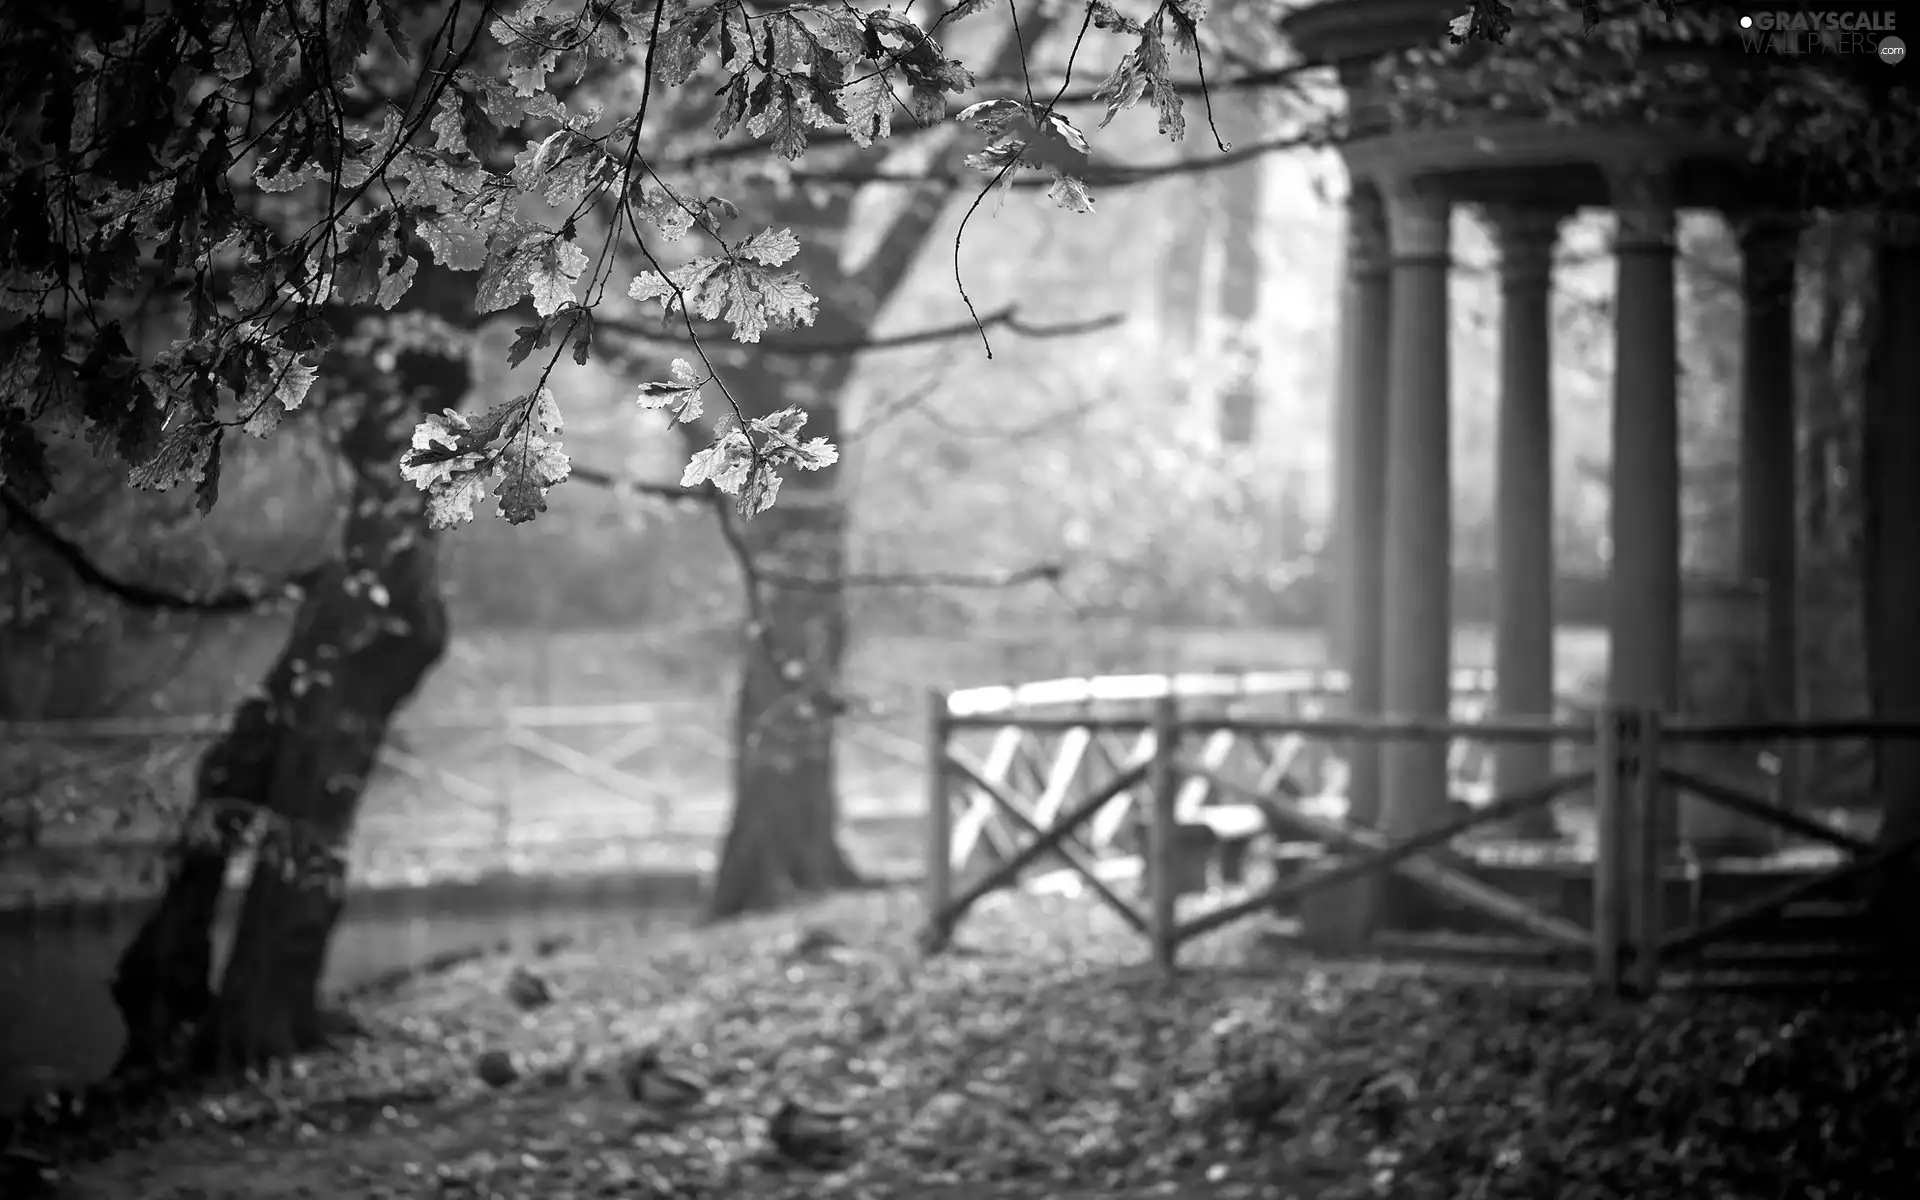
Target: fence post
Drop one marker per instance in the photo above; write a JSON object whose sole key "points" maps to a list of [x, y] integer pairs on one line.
{"points": [[1162, 838], [1610, 846], [1647, 851], [939, 883]]}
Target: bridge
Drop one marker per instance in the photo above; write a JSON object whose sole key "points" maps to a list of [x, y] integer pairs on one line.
{"points": [[1187, 803]]}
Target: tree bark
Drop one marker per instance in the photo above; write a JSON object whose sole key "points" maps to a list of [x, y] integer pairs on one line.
{"points": [[298, 754], [782, 840], [783, 836]]}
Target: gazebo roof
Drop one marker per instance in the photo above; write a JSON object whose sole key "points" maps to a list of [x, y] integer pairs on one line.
{"points": [[1503, 153]]}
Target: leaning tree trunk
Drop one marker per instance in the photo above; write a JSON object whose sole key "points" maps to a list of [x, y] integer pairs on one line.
{"points": [[783, 838], [1891, 453], [297, 758], [163, 985]]}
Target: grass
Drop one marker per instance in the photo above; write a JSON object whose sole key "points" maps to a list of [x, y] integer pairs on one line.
{"points": [[1043, 1060]]}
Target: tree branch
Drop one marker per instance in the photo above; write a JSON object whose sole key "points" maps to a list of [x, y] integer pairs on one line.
{"points": [[1006, 318], [1250, 81], [754, 573], [1044, 572], [638, 487], [908, 400], [140, 595], [1096, 174]]}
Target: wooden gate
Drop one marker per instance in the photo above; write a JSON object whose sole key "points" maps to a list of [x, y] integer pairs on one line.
{"points": [[1054, 770], [1202, 758]]}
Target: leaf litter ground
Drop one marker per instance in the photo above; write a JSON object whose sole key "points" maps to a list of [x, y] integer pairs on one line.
{"points": [[1042, 1059]]}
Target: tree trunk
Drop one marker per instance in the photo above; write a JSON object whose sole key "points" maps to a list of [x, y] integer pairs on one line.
{"points": [[378, 654], [299, 755], [163, 983], [782, 841], [1891, 450], [783, 837]]}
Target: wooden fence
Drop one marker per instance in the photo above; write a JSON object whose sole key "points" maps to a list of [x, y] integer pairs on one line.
{"points": [[525, 787], [1224, 761]]}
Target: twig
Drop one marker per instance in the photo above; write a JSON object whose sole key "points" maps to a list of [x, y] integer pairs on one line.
{"points": [[1007, 318], [644, 487], [1095, 174], [1046, 572]]}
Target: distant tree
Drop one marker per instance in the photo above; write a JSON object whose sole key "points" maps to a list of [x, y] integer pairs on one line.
{"points": [[307, 185]]}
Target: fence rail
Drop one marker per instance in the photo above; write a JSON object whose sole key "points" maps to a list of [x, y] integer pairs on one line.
{"points": [[1193, 758], [485, 787]]}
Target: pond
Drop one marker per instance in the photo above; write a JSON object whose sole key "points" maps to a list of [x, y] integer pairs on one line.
{"points": [[58, 1025]]}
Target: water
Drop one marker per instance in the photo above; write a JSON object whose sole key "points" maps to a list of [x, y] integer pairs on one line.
{"points": [[58, 1025]]}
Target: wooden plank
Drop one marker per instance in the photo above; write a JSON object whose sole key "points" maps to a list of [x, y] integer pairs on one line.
{"points": [[1011, 805], [1234, 822], [1682, 729], [1400, 857], [1609, 875], [1646, 852], [1194, 788], [1162, 836], [627, 745], [1278, 774], [1498, 729], [1064, 772], [1107, 825], [587, 767], [1109, 870], [1775, 899], [939, 882], [478, 795], [1760, 809], [979, 820]]}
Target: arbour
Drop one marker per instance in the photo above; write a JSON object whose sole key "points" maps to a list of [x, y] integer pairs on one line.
{"points": [[297, 173]]}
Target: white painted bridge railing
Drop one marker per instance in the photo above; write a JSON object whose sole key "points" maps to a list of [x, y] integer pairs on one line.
{"points": [[1045, 693]]}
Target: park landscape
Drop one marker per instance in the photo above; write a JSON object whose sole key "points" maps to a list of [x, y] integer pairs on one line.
{"points": [[788, 432]]}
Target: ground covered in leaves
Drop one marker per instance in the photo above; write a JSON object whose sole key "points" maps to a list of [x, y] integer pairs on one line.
{"points": [[1041, 1059]]}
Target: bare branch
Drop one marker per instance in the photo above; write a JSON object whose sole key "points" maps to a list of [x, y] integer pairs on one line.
{"points": [[637, 487], [1045, 572], [1006, 318], [754, 574], [1010, 433], [906, 401], [238, 599], [1096, 174]]}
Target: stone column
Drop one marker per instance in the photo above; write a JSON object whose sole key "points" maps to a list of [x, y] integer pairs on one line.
{"points": [[1643, 625], [1769, 462], [1417, 626], [1360, 485], [1891, 468], [1523, 633]]}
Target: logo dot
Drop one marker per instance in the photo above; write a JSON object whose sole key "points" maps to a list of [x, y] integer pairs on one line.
{"points": [[1746, 22], [1892, 49]]}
